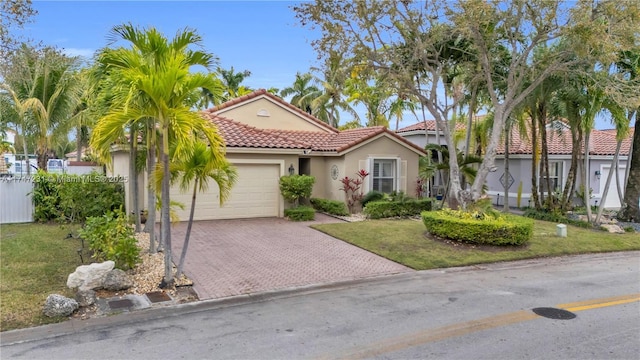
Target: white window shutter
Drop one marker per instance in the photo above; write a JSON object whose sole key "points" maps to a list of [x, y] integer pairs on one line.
{"points": [[366, 165], [402, 179]]}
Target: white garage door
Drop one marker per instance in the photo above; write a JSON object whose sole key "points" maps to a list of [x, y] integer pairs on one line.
{"points": [[256, 194]]}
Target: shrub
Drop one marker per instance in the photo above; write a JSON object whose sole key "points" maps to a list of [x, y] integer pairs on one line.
{"points": [[294, 187], [384, 209], [352, 188], [300, 213], [478, 228], [111, 238], [73, 198], [372, 195], [333, 207], [555, 216]]}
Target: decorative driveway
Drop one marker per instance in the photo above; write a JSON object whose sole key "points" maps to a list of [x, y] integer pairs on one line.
{"points": [[234, 257]]}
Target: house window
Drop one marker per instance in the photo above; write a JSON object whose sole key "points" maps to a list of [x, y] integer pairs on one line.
{"points": [[555, 177], [384, 175]]}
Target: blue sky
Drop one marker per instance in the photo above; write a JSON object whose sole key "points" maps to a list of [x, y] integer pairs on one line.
{"points": [[260, 36], [263, 37]]}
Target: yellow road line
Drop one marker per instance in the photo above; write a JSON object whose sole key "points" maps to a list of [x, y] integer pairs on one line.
{"points": [[386, 346], [598, 303]]}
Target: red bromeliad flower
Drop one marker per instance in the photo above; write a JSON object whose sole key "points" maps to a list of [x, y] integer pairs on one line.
{"points": [[362, 173]]}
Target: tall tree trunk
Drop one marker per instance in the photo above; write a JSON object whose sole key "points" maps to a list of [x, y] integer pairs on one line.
{"points": [[133, 170], [166, 220], [608, 183], [79, 143], [183, 255], [25, 153], [544, 159], [150, 225], [488, 162], [631, 206], [570, 185], [534, 161], [585, 173], [506, 166]]}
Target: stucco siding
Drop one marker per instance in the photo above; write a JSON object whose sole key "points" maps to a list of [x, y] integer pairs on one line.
{"points": [[385, 148], [264, 114]]}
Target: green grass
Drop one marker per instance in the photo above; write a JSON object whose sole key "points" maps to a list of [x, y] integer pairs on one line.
{"points": [[35, 261], [406, 242]]}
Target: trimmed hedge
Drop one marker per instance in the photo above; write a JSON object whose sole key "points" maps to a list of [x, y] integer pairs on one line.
{"points": [[385, 209], [300, 213], [333, 207], [478, 228]]}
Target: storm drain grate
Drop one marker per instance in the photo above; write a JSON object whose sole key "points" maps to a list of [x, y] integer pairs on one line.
{"points": [[120, 304], [158, 296], [553, 313]]}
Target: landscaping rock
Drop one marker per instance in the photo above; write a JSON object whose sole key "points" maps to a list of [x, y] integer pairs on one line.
{"points": [[86, 297], [58, 305], [117, 279], [88, 277], [612, 228]]}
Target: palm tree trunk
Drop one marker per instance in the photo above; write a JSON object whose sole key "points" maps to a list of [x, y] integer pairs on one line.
{"points": [[183, 255], [78, 143], [507, 130], [25, 154], [166, 221], [608, 183], [150, 225], [534, 161], [631, 206], [585, 175], [133, 169]]}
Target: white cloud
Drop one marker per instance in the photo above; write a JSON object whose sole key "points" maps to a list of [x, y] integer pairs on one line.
{"points": [[87, 53]]}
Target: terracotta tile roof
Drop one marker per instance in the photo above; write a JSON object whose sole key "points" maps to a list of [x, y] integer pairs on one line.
{"points": [[239, 135], [602, 142], [265, 93], [431, 125]]}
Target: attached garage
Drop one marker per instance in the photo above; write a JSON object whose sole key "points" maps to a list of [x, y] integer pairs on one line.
{"points": [[256, 194]]}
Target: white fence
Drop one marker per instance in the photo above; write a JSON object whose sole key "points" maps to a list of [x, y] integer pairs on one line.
{"points": [[16, 205]]}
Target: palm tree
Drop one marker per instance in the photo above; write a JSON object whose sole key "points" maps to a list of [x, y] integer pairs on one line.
{"points": [[5, 147], [46, 82], [156, 71], [231, 83], [196, 171], [19, 111], [303, 91], [330, 102]]}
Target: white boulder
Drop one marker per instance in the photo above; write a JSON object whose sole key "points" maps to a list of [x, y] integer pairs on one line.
{"points": [[88, 277]]}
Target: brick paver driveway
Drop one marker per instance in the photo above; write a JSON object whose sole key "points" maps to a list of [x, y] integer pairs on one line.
{"points": [[233, 257]]}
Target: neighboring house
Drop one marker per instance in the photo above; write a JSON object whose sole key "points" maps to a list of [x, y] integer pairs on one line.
{"points": [[267, 138], [602, 147], [424, 133]]}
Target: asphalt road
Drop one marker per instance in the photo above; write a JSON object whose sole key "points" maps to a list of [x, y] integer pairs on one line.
{"points": [[481, 312]]}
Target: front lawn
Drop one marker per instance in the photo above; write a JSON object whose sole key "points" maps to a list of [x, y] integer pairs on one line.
{"points": [[35, 262], [406, 242]]}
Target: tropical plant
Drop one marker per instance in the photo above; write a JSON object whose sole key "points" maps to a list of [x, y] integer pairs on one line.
{"points": [[45, 91], [156, 87], [296, 187], [303, 91], [195, 171]]}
